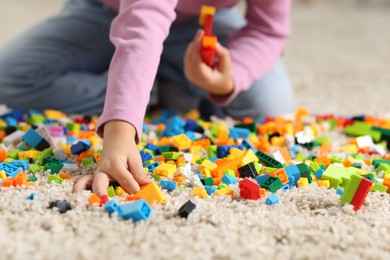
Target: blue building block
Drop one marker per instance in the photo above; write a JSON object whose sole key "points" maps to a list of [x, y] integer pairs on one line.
{"points": [[152, 166], [111, 206], [9, 169], [16, 113], [248, 145], [11, 121], [70, 139], [191, 125], [190, 134], [271, 200], [261, 178], [80, 147], [237, 132], [32, 196], [153, 148], [340, 192], [145, 156], [136, 210], [20, 163], [228, 179], [286, 187], [319, 173], [293, 174], [210, 189], [168, 185], [213, 158], [32, 138]]}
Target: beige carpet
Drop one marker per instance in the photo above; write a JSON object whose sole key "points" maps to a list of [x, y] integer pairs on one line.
{"points": [[338, 57]]}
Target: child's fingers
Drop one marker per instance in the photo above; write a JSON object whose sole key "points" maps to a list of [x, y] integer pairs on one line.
{"points": [[137, 170], [224, 57], [125, 179], [83, 183], [100, 183]]}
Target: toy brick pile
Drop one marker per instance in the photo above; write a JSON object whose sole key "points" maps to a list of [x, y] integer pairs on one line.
{"points": [[248, 159]]}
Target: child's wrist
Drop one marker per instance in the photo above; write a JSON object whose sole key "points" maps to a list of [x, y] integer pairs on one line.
{"points": [[119, 127]]}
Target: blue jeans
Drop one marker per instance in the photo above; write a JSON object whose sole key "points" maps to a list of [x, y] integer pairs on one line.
{"points": [[60, 64]]}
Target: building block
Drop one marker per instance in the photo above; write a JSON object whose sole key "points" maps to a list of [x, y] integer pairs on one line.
{"points": [[33, 139], [379, 187], [94, 199], [200, 192], [262, 178], [272, 200], [136, 210], [186, 209], [224, 191], [302, 182], [228, 179], [304, 171], [272, 184], [281, 174], [80, 147], [210, 189], [54, 167], [9, 169], [248, 170], [168, 185], [151, 193], [165, 169], [249, 190], [62, 205], [268, 160], [111, 206], [111, 191], [361, 193], [54, 178], [351, 189]]}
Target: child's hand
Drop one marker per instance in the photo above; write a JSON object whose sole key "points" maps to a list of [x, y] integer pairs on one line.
{"points": [[120, 161], [217, 80]]}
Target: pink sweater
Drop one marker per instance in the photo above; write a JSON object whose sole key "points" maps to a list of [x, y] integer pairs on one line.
{"points": [[141, 27]]}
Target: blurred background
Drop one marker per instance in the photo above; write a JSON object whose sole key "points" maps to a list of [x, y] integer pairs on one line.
{"points": [[338, 54]]}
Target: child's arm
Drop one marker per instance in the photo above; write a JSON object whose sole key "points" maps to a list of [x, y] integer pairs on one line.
{"points": [[138, 33], [252, 52]]}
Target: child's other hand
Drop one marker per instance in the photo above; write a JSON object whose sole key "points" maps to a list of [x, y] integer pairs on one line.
{"points": [[120, 161], [217, 80]]}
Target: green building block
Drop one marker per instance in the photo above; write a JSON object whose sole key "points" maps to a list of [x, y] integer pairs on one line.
{"points": [[88, 161], [32, 179], [209, 181], [13, 154], [360, 128], [379, 187], [73, 126], [34, 168], [212, 151], [336, 175], [322, 139], [358, 156], [272, 184], [336, 159], [257, 166], [314, 166], [171, 156], [383, 167], [40, 157], [36, 119], [230, 172], [385, 132], [8, 160], [222, 186], [305, 171], [54, 167], [300, 157], [156, 177], [349, 192], [268, 160], [369, 176], [111, 191], [152, 153], [54, 178], [376, 162]]}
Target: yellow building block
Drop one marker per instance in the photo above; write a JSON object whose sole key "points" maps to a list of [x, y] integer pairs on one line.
{"points": [[204, 11], [193, 114], [165, 169], [28, 154], [119, 191], [224, 191], [302, 182], [348, 161], [208, 165], [323, 183], [249, 157], [151, 193], [181, 142], [205, 173], [53, 114], [3, 175], [200, 191]]}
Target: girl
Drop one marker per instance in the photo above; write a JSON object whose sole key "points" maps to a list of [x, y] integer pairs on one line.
{"points": [[59, 64]]}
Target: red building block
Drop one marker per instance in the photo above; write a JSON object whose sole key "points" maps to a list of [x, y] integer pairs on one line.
{"points": [[249, 190], [361, 193]]}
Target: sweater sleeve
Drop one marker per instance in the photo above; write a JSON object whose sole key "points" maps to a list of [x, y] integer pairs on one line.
{"points": [[257, 46], [138, 33]]}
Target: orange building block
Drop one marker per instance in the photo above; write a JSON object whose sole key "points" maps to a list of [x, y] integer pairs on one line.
{"points": [[3, 155], [151, 193], [8, 182], [65, 176], [94, 199], [20, 179], [281, 174]]}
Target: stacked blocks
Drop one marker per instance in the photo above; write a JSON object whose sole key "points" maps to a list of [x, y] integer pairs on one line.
{"points": [[209, 40], [356, 191]]}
